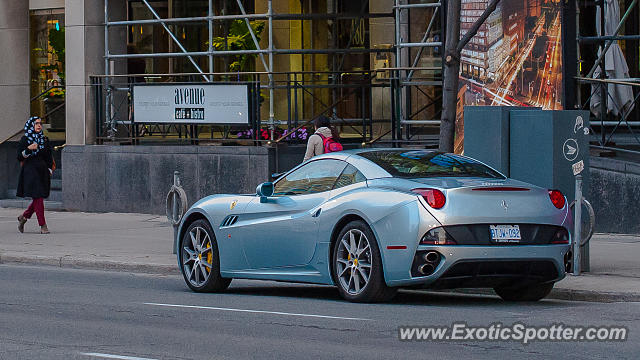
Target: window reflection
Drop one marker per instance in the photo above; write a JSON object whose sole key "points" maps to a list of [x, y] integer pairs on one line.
{"points": [[47, 67], [316, 176], [153, 38]]}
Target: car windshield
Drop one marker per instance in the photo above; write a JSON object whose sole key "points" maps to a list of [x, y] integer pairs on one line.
{"points": [[424, 163]]}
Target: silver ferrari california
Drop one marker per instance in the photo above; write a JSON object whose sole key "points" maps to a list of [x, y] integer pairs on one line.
{"points": [[372, 221]]}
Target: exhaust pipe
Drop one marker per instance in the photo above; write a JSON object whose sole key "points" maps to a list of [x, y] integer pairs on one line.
{"points": [[431, 257], [568, 262], [426, 269]]}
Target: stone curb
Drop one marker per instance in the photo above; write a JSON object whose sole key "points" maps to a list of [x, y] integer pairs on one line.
{"points": [[593, 296], [559, 293], [71, 263]]}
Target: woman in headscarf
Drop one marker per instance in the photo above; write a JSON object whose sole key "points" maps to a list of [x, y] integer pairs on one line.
{"points": [[34, 154]]}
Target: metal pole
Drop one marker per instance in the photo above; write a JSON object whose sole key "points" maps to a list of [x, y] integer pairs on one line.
{"points": [[393, 106], [603, 74], [107, 117], [397, 89], [271, 114], [295, 100], [363, 110], [210, 39], [176, 182], [288, 101], [244, 52], [188, 20], [424, 39], [579, 70], [577, 227], [253, 36], [334, 64], [175, 39]]}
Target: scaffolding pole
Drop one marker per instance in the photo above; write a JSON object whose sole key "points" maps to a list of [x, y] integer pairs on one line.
{"points": [[607, 40], [405, 83], [402, 47]]}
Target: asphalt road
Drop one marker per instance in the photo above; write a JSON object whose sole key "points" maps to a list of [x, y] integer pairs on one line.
{"points": [[53, 313]]}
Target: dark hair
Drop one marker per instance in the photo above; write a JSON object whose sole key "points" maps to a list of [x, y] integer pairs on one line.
{"points": [[323, 121]]}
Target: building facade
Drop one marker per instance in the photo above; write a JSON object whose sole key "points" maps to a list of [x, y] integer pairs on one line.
{"points": [[481, 58], [307, 37], [75, 63]]}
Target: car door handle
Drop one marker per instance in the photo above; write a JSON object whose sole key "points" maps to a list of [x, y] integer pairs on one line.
{"points": [[317, 213]]}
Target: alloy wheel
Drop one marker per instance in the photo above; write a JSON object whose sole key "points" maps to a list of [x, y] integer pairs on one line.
{"points": [[353, 261], [197, 256]]}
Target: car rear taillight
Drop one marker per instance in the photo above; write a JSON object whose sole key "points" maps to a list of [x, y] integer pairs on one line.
{"points": [[437, 236], [434, 197], [560, 237], [556, 198]]}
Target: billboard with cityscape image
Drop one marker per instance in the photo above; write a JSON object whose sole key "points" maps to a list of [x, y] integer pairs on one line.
{"points": [[515, 59]]}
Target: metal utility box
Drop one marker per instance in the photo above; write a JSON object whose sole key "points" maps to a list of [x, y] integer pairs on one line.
{"points": [[549, 148], [486, 134]]}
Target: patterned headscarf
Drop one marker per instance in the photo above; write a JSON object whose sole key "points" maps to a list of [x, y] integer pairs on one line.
{"points": [[33, 136]]}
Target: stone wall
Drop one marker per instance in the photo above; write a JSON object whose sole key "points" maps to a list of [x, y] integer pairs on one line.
{"points": [[9, 167], [4, 173], [615, 195], [14, 62], [137, 179]]}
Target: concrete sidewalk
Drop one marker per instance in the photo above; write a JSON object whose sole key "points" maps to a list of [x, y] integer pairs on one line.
{"points": [[143, 243]]}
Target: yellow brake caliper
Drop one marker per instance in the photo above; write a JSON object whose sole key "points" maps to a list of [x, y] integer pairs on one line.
{"points": [[209, 257]]}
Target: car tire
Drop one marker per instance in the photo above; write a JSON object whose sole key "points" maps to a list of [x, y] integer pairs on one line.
{"points": [[348, 270], [199, 259], [530, 293]]}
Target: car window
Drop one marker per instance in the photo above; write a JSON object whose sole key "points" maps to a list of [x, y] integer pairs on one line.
{"points": [[423, 163], [349, 176], [314, 177]]}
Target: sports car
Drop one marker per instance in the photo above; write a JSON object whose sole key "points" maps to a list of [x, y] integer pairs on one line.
{"points": [[371, 221]]}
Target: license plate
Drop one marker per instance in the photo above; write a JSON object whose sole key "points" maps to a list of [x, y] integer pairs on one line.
{"points": [[505, 233]]}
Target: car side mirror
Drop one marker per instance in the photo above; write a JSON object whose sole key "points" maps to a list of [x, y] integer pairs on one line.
{"points": [[264, 190]]}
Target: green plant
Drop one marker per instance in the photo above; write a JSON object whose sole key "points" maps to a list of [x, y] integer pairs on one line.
{"points": [[55, 93], [56, 41], [239, 38]]}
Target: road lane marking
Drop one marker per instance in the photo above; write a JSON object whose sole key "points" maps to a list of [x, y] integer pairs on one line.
{"points": [[257, 311], [111, 356]]}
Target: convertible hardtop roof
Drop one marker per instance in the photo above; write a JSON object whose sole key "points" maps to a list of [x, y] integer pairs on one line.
{"points": [[362, 151]]}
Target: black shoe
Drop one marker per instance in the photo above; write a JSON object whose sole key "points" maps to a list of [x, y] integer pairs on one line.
{"points": [[21, 221]]}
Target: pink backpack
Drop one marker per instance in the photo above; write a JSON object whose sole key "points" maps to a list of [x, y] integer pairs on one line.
{"points": [[330, 144]]}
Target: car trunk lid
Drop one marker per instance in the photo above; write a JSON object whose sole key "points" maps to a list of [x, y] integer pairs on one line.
{"points": [[492, 202]]}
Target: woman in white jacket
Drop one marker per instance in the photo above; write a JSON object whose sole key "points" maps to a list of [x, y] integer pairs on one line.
{"points": [[315, 144]]}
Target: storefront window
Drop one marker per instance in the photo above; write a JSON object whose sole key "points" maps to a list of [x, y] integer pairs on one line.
{"points": [[47, 67], [153, 38]]}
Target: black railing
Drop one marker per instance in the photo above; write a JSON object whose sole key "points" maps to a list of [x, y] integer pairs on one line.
{"points": [[55, 110], [345, 97]]}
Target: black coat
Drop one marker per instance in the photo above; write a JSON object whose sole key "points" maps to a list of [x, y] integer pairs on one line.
{"points": [[35, 179]]}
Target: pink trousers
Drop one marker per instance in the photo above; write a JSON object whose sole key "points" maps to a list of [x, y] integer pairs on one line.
{"points": [[37, 206]]}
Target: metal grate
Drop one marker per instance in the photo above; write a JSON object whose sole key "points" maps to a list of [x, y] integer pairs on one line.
{"points": [[229, 221]]}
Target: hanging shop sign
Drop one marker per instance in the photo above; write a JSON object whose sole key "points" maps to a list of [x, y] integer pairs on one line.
{"points": [[191, 104]]}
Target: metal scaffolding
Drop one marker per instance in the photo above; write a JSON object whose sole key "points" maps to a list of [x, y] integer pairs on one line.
{"points": [[405, 84], [409, 84], [608, 124]]}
